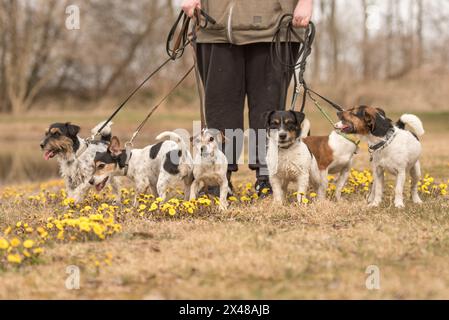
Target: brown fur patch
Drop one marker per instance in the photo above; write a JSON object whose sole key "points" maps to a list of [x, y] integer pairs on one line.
{"points": [[319, 146], [102, 168], [361, 125], [62, 144], [55, 130]]}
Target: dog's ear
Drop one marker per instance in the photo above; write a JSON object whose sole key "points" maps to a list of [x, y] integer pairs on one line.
{"points": [[299, 116], [381, 111], [72, 130], [223, 137], [380, 124], [114, 146], [266, 116]]}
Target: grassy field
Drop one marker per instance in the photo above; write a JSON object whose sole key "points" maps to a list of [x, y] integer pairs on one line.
{"points": [[255, 250]]}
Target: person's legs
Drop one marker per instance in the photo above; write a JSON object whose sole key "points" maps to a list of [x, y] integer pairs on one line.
{"points": [[222, 69], [264, 85]]}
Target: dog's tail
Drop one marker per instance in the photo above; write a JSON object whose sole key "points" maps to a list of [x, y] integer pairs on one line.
{"points": [[413, 121], [305, 131], [175, 137], [106, 132]]}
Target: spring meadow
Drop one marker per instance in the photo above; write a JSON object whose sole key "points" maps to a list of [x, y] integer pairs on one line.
{"points": [[393, 55]]}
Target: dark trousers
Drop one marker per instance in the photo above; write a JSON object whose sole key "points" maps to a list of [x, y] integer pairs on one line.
{"points": [[230, 73]]}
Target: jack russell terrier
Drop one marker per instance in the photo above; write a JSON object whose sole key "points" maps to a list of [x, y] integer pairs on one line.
{"points": [[153, 168], [392, 148]]}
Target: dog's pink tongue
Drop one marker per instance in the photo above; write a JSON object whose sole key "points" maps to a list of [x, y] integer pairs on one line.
{"points": [[48, 155]]}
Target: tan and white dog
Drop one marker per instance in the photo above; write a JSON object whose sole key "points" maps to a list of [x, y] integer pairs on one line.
{"points": [[210, 165], [333, 154], [392, 148]]}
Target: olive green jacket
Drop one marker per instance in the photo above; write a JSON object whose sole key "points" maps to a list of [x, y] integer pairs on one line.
{"points": [[243, 21]]}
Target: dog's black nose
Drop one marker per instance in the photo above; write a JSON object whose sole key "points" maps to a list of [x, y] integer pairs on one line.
{"points": [[282, 136], [92, 181], [42, 145]]}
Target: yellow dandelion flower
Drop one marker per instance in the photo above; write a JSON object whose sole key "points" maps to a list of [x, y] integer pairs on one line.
{"points": [[14, 258], [313, 195], [28, 244], [304, 200], [4, 244], [38, 250], [154, 206], [171, 211], [26, 253], [233, 199], [15, 242], [60, 235]]}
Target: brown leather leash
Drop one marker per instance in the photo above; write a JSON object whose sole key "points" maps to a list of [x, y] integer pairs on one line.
{"points": [[184, 39]]}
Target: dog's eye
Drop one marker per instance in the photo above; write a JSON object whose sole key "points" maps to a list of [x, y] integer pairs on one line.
{"points": [[211, 139], [101, 166]]}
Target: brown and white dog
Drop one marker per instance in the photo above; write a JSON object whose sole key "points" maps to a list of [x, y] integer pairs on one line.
{"points": [[333, 154], [392, 148]]}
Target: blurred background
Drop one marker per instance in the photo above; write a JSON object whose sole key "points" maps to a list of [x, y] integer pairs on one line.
{"points": [[386, 52]]}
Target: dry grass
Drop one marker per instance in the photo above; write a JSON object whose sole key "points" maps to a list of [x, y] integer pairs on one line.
{"points": [[258, 252], [261, 251]]}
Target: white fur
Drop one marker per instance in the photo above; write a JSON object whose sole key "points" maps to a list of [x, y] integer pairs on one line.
{"points": [[149, 175], [398, 158], [343, 152], [305, 128], [211, 169], [77, 169], [295, 164], [414, 122]]}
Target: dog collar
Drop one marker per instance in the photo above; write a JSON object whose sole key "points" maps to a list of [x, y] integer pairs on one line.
{"points": [[391, 134]]}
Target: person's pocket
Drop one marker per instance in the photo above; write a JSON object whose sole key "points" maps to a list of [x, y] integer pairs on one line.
{"points": [[255, 14]]}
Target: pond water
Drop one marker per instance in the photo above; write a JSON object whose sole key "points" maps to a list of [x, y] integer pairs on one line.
{"points": [[23, 162]]}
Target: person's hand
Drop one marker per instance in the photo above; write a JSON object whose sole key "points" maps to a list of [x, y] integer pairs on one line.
{"points": [[303, 13], [189, 6]]}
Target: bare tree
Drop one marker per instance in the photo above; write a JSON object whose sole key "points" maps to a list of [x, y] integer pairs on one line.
{"points": [[365, 42], [32, 35]]}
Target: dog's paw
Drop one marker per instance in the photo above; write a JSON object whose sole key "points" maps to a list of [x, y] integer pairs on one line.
{"points": [[373, 204], [417, 201], [399, 204]]}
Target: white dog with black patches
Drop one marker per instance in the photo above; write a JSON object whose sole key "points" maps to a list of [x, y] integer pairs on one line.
{"points": [[210, 165], [153, 169], [288, 157], [75, 155], [392, 148]]}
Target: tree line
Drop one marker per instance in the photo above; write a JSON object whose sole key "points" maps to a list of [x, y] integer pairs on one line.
{"points": [[118, 42]]}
